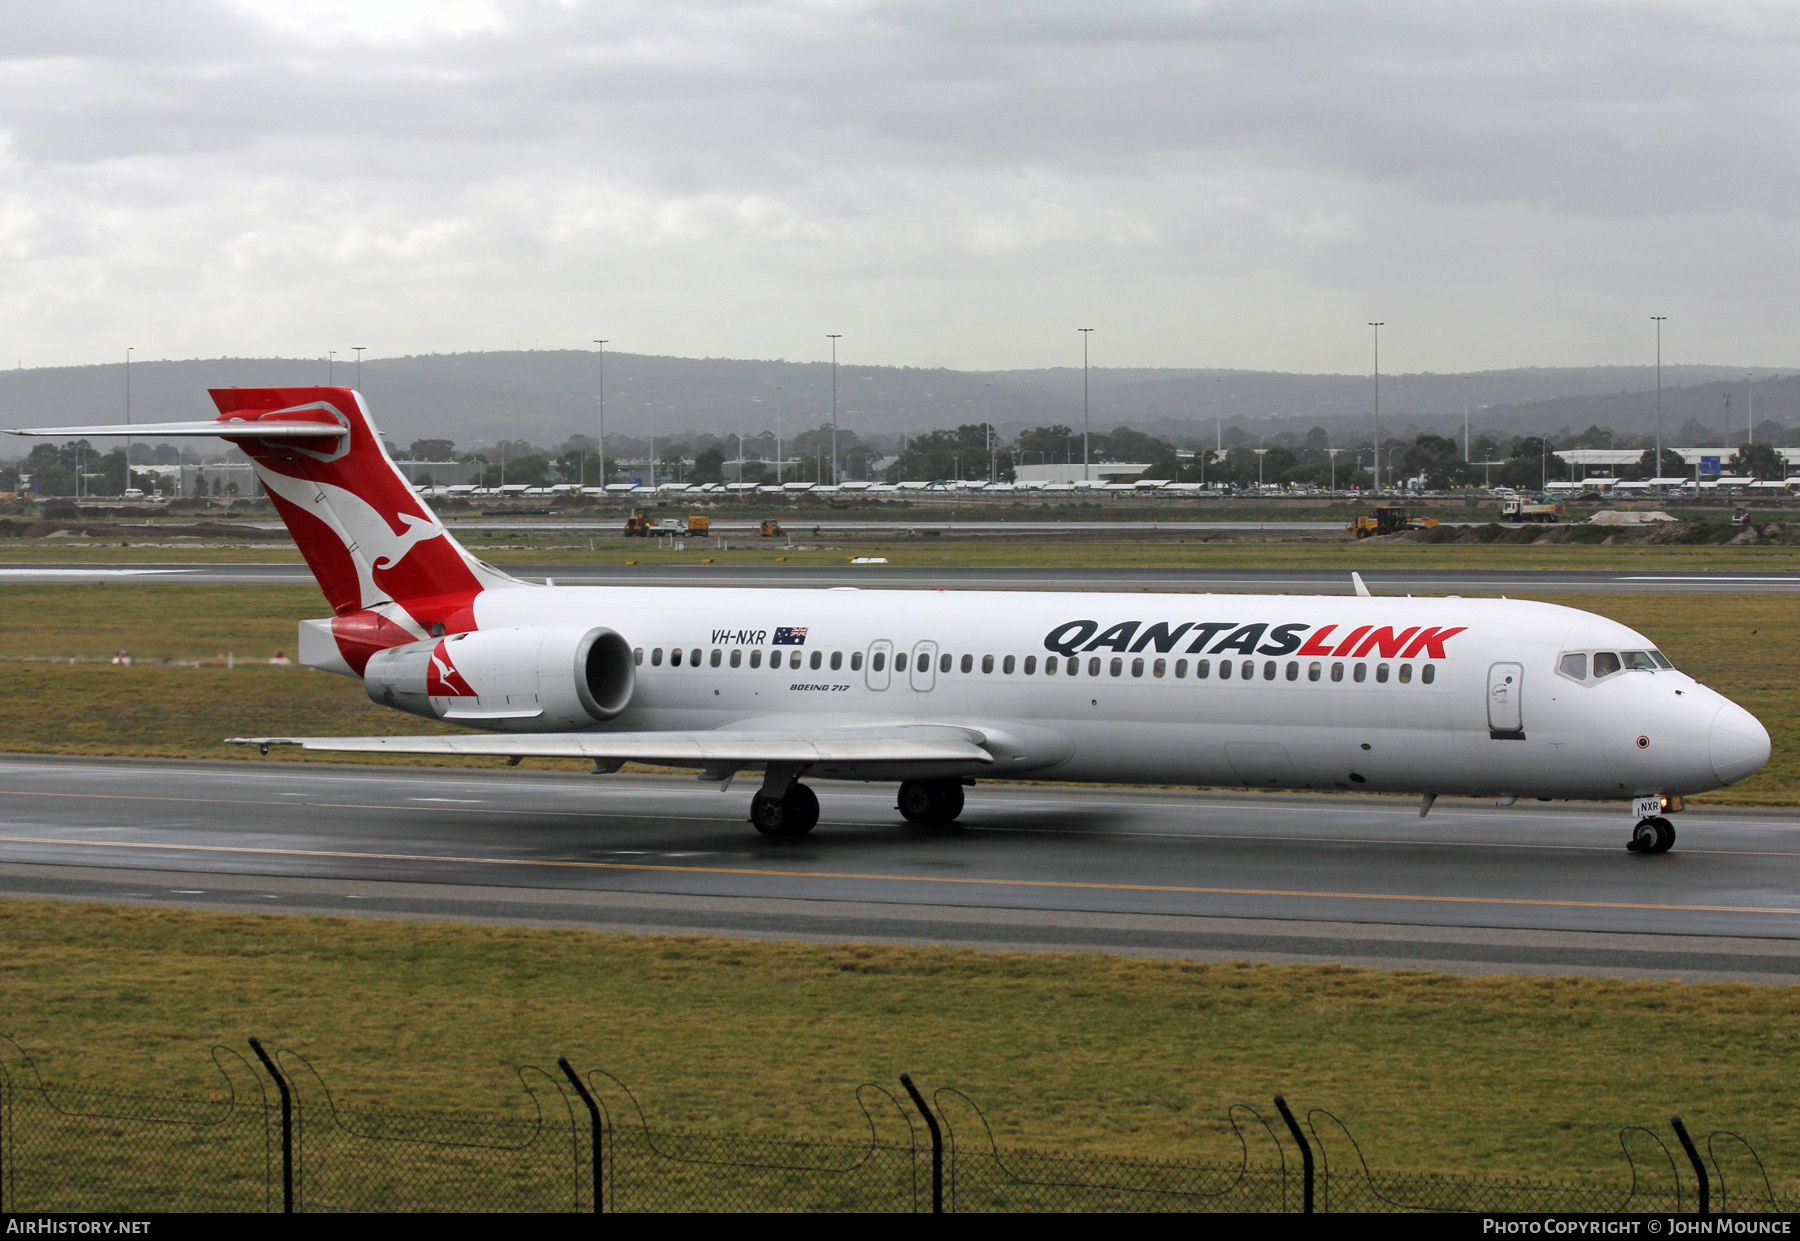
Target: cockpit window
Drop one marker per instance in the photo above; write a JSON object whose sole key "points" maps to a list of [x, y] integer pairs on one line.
{"points": [[1574, 665], [1639, 660], [1662, 660], [1605, 664]]}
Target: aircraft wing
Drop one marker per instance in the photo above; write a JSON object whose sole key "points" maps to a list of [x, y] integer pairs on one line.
{"points": [[897, 743]]}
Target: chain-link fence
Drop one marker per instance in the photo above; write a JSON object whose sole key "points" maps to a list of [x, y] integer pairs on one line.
{"points": [[273, 1138]]}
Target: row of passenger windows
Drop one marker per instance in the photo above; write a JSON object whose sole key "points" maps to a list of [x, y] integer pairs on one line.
{"points": [[1072, 665]]}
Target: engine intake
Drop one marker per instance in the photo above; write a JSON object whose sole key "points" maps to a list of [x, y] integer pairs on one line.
{"points": [[542, 678]]}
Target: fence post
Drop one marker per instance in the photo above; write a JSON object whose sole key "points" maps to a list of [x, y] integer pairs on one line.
{"points": [[937, 1145], [1687, 1144], [1306, 1155], [287, 1126], [562, 1062]]}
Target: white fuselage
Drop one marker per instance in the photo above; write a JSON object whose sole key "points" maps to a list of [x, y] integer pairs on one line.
{"points": [[1294, 712]]}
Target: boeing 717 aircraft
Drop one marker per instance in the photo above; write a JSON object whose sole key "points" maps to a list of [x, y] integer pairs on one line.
{"points": [[934, 690]]}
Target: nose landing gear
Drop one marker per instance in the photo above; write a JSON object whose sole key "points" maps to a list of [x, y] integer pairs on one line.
{"points": [[1653, 835], [930, 803]]}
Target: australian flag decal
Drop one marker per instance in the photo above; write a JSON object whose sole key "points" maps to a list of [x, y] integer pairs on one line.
{"points": [[785, 636]]}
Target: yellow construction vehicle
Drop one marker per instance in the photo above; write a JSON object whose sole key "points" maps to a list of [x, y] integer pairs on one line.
{"points": [[1520, 509], [698, 524], [1389, 519], [637, 526], [770, 529]]}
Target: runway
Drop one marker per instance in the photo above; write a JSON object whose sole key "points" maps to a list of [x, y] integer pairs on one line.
{"points": [[931, 577], [1357, 880]]}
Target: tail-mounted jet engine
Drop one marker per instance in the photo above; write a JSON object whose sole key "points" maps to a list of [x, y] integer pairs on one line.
{"points": [[542, 678]]}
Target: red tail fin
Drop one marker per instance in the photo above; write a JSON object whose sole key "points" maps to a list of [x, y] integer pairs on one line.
{"points": [[367, 538]]}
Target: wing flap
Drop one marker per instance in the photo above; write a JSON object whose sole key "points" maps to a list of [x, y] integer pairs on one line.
{"points": [[861, 745]]}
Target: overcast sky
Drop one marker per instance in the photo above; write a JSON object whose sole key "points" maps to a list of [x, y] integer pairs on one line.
{"points": [[958, 183]]}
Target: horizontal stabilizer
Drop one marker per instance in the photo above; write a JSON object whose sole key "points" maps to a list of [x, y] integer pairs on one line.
{"points": [[900, 744], [210, 426]]}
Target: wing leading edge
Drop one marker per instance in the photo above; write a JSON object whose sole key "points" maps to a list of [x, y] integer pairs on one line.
{"points": [[897, 744]]}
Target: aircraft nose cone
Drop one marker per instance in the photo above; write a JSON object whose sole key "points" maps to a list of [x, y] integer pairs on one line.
{"points": [[1740, 744]]}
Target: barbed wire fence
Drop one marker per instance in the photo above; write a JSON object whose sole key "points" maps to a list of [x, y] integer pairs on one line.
{"points": [[275, 1138]]}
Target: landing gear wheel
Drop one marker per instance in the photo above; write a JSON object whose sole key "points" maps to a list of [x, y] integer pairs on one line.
{"points": [[930, 803], [1656, 835], [791, 815]]}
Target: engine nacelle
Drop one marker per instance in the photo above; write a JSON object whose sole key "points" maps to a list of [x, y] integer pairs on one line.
{"points": [[541, 678]]}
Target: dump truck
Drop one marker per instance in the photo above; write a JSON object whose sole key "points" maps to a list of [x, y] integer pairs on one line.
{"points": [[1389, 519], [769, 529], [1518, 508]]}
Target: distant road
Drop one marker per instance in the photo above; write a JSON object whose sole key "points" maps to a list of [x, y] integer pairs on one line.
{"points": [[1360, 880], [926, 577]]}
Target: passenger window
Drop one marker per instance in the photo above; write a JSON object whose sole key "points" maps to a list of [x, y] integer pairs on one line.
{"points": [[737, 656], [1094, 666], [856, 661], [1181, 670], [1574, 665], [987, 663], [899, 661], [1313, 669], [637, 657], [1269, 670], [1159, 667], [756, 658], [1118, 665], [818, 657], [1049, 666], [1337, 672], [675, 657], [1224, 669], [968, 663], [1203, 669], [837, 660], [717, 657], [1137, 667], [1074, 667], [1381, 673], [774, 659], [1428, 673], [1293, 670], [1361, 673], [1406, 674], [1248, 670], [1605, 664], [656, 658], [1008, 664], [1031, 664], [878, 660], [694, 657], [944, 663]]}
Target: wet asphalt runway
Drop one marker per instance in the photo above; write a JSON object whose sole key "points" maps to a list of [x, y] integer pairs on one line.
{"points": [[1359, 880]]}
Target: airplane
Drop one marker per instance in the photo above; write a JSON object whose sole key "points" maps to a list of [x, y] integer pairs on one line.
{"points": [[935, 689]]}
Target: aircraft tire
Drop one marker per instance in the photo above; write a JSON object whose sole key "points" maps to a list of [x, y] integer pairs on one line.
{"points": [[930, 803], [1665, 835], [1645, 837], [786, 817]]}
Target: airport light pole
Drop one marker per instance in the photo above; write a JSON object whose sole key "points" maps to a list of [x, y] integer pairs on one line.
{"points": [[601, 472], [1658, 320], [1377, 474], [1260, 454], [330, 367], [1465, 420], [834, 406], [358, 350], [128, 350], [1332, 453], [1750, 401], [1085, 467]]}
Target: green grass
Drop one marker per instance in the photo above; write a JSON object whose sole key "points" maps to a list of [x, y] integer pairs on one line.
{"points": [[1522, 1076]]}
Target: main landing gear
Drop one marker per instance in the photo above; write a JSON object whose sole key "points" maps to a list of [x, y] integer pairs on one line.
{"points": [[792, 814], [930, 803], [1655, 835]]}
